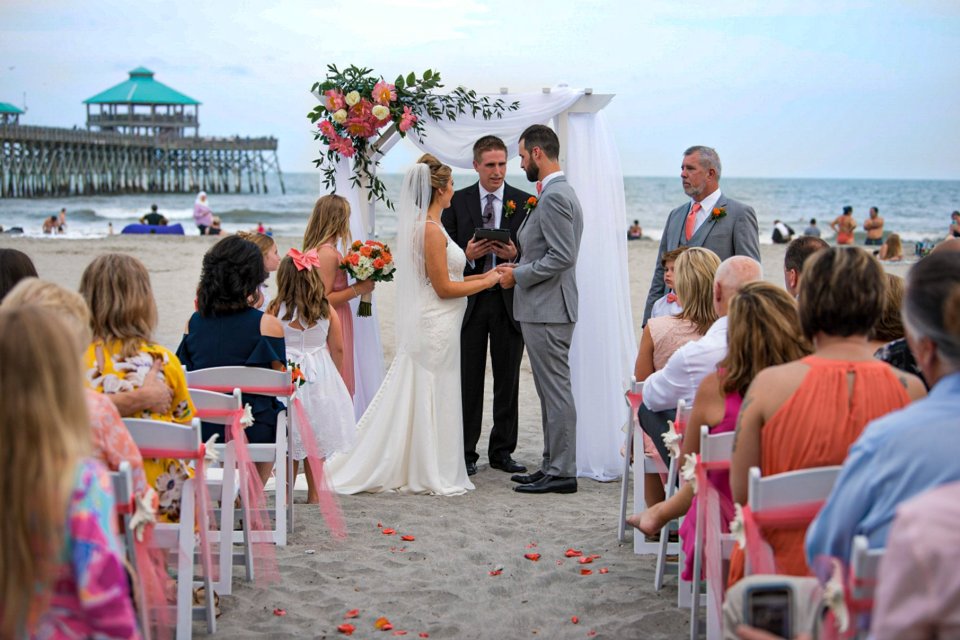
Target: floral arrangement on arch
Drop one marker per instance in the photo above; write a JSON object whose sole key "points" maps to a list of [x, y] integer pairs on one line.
{"points": [[355, 106]]}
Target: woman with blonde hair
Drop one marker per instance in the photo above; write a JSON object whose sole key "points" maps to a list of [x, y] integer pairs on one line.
{"points": [[271, 262], [117, 289], [892, 249], [693, 275], [807, 413], [328, 231], [61, 571], [410, 439], [112, 443], [764, 330]]}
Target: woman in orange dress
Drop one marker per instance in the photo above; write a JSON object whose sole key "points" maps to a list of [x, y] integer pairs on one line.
{"points": [[329, 226], [807, 413]]}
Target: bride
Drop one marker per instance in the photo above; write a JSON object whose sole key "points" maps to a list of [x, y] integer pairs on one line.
{"points": [[410, 439]]}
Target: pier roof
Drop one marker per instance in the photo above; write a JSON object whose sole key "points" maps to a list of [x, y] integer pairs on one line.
{"points": [[6, 107], [141, 88]]}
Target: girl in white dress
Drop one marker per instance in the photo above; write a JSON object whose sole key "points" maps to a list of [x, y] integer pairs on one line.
{"points": [[314, 345], [410, 439]]}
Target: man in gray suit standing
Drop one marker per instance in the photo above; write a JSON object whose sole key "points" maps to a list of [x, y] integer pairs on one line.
{"points": [[545, 305], [711, 220]]}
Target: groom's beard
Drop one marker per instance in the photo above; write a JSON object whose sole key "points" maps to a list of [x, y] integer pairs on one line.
{"points": [[532, 171]]}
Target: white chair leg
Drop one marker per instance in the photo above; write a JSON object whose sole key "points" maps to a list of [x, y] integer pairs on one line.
{"points": [[695, 581], [625, 485], [206, 563], [224, 537], [666, 530], [245, 514], [185, 552]]}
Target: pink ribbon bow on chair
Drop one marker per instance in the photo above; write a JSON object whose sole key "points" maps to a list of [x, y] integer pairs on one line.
{"points": [[304, 260]]}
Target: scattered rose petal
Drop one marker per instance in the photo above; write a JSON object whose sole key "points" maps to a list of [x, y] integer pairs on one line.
{"points": [[573, 553], [585, 560], [532, 556], [495, 572], [575, 620], [604, 570], [382, 623], [388, 532], [400, 632], [346, 629], [387, 627], [379, 525], [279, 612], [585, 572], [591, 633], [424, 634], [407, 538], [353, 613]]}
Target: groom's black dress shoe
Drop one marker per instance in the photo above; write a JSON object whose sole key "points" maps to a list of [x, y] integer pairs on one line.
{"points": [[527, 479], [471, 468], [507, 464], [549, 484]]}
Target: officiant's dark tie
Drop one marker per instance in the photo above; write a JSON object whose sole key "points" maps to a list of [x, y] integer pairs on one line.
{"points": [[488, 221]]}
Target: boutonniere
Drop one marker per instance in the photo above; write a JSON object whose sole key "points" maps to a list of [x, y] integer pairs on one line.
{"points": [[531, 204], [509, 208], [717, 213]]}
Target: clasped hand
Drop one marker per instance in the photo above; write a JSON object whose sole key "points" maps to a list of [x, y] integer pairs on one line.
{"points": [[505, 269]]}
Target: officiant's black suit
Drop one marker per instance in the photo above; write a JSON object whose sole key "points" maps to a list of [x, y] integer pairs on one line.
{"points": [[489, 315]]}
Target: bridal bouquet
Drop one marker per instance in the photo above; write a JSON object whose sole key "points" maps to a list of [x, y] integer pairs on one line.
{"points": [[356, 105], [370, 260]]}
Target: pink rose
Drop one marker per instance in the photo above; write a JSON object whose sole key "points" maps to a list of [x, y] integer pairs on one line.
{"points": [[407, 120], [334, 101], [384, 93], [343, 146], [327, 129]]}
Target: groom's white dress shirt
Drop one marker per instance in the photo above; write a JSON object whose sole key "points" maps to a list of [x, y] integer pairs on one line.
{"points": [[686, 369]]}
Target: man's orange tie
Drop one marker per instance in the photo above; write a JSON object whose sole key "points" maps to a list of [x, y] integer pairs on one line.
{"points": [[692, 220]]}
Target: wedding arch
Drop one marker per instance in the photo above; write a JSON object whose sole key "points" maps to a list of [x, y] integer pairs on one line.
{"points": [[604, 344]]}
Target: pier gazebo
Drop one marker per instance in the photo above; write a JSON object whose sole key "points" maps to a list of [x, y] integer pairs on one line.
{"points": [[10, 114], [143, 106]]}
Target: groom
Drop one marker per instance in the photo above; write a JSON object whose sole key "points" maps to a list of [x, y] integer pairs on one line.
{"points": [[545, 305]]}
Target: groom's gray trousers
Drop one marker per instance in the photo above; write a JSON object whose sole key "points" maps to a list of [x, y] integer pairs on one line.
{"points": [[548, 347]]}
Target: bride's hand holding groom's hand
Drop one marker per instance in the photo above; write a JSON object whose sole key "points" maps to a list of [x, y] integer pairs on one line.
{"points": [[507, 280], [491, 278]]}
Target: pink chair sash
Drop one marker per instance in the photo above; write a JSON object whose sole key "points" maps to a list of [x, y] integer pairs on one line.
{"points": [[757, 549], [710, 504], [329, 506], [151, 577]]}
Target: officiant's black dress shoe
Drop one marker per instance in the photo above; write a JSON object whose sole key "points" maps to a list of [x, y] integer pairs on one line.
{"points": [[507, 464], [527, 479], [549, 484], [471, 468]]}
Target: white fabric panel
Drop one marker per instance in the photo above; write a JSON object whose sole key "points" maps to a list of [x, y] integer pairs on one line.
{"points": [[368, 368], [604, 344], [452, 142]]}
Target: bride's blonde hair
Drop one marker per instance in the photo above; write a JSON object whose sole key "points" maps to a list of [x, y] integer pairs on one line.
{"points": [[439, 174], [44, 432]]}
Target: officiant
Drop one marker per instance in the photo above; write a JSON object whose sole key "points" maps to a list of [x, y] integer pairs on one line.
{"points": [[482, 209]]}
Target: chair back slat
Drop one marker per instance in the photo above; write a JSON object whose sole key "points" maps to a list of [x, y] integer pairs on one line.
{"points": [[242, 377], [157, 434], [715, 448], [122, 480], [216, 401], [864, 563], [790, 488]]}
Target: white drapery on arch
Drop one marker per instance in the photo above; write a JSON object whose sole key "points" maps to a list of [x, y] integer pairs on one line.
{"points": [[604, 344]]}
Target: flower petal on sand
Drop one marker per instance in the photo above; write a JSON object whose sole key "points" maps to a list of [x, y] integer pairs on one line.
{"points": [[532, 556], [573, 553], [346, 629], [408, 538], [353, 613]]}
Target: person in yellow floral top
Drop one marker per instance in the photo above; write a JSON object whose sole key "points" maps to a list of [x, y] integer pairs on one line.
{"points": [[117, 290]]}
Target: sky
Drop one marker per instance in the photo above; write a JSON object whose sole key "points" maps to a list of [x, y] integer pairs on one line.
{"points": [[781, 88]]}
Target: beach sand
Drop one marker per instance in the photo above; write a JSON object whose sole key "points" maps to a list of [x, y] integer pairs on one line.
{"points": [[438, 584]]}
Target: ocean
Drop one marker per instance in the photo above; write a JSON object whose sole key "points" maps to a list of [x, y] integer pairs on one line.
{"points": [[916, 209]]}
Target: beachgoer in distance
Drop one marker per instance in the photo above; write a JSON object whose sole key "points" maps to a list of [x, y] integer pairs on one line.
{"points": [[892, 249], [214, 228], [844, 226], [202, 214], [635, 232], [874, 228], [62, 221], [50, 225], [954, 225], [153, 218], [813, 229], [782, 232]]}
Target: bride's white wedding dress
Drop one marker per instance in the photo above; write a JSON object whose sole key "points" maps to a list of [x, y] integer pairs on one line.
{"points": [[410, 439]]}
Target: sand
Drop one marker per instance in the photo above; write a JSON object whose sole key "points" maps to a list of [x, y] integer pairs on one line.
{"points": [[440, 583]]}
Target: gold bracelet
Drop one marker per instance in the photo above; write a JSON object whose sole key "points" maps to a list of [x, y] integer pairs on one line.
{"points": [[355, 292]]}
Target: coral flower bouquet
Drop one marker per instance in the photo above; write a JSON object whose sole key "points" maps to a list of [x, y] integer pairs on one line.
{"points": [[370, 260]]}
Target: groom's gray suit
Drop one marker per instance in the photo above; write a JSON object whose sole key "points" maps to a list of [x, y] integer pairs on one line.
{"points": [[545, 305], [735, 234]]}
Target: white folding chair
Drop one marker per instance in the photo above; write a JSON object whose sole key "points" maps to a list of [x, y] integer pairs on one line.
{"points": [[227, 482], [181, 441], [789, 489], [635, 387], [225, 380], [864, 564], [122, 481], [716, 448], [673, 526]]}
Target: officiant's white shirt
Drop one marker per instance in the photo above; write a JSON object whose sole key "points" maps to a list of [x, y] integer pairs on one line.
{"points": [[707, 205], [686, 369]]}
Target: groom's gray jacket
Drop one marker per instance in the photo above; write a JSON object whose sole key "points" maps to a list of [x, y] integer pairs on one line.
{"points": [[549, 243]]}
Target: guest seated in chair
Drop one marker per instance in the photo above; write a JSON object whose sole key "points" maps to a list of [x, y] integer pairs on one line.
{"points": [[233, 270], [764, 331], [807, 413], [117, 290], [911, 450], [63, 572]]}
